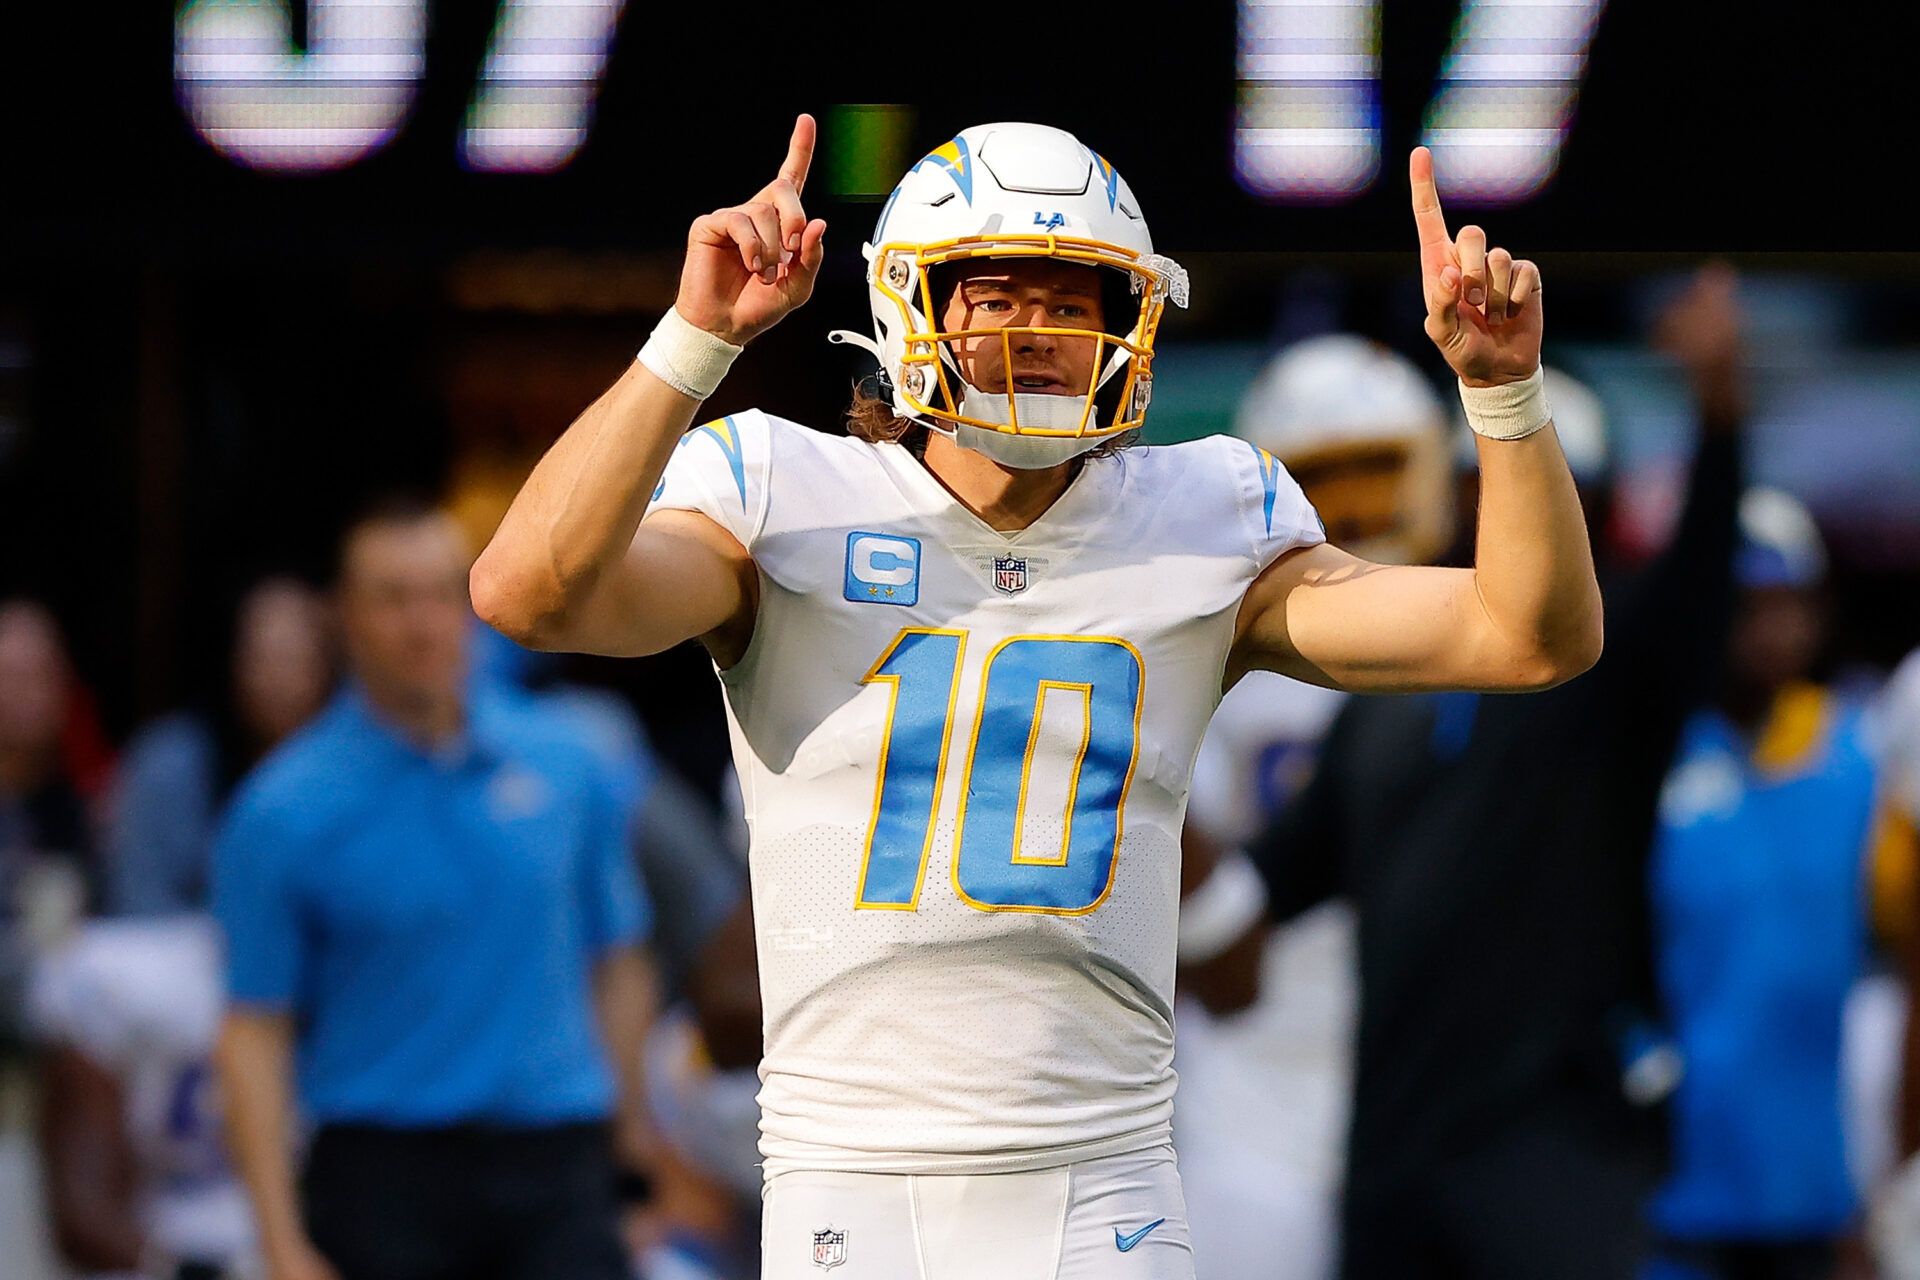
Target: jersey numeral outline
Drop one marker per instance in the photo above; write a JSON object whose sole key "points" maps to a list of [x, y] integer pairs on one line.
{"points": [[919, 667], [991, 870]]}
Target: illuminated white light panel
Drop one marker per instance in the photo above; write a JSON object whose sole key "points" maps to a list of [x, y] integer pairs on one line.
{"points": [[258, 100], [1507, 95], [1307, 118], [538, 85]]}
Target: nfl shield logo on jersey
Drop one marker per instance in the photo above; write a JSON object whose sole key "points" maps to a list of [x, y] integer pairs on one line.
{"points": [[1009, 574], [829, 1248]]}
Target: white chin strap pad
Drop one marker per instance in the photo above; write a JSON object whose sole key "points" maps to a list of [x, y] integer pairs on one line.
{"points": [[1049, 413], [1027, 453], [1024, 453]]}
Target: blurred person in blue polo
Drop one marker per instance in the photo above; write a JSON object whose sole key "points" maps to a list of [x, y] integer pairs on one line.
{"points": [[433, 927], [177, 772], [1760, 883], [1494, 850]]}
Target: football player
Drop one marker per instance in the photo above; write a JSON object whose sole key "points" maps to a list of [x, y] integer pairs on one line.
{"points": [[137, 1173], [1265, 1094], [968, 652], [1261, 1125]]}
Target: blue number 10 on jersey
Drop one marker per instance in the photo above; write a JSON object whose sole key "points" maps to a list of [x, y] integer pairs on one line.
{"points": [[992, 869]]}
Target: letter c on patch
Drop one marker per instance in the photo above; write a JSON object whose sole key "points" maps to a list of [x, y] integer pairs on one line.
{"points": [[887, 562], [883, 569]]}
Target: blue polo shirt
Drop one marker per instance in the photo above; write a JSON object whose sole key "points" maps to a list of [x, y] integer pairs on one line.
{"points": [[432, 919], [1759, 897]]}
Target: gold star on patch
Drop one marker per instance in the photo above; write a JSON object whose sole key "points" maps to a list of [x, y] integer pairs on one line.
{"points": [[889, 590], [873, 591]]}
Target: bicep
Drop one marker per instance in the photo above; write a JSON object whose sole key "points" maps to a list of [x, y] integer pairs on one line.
{"points": [[683, 578], [1330, 618]]}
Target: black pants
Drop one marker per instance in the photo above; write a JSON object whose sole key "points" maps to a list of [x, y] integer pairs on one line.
{"points": [[1774, 1260], [467, 1203], [1547, 1200]]}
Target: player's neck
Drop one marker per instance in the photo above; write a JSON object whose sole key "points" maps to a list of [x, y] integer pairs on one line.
{"points": [[1005, 498], [429, 718]]}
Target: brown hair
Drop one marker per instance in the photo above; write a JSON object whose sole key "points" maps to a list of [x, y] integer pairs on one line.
{"points": [[872, 419]]}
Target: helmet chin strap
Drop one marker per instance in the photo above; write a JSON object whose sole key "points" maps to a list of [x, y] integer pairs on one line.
{"points": [[1024, 452]]}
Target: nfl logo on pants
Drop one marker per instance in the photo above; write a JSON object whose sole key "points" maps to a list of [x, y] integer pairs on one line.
{"points": [[1009, 574], [829, 1248]]}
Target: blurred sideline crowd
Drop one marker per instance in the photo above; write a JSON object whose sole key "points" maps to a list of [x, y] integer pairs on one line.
{"points": [[405, 956]]}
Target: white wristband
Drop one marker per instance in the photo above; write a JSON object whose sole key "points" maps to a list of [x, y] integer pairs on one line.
{"points": [[1224, 907], [1508, 412], [688, 359]]}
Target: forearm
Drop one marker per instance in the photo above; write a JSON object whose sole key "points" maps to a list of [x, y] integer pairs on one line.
{"points": [[89, 1167], [1669, 622], [624, 998], [255, 1065], [575, 517], [1533, 568]]}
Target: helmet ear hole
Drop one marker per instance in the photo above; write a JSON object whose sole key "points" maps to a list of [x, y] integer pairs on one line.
{"points": [[942, 279], [1119, 305]]}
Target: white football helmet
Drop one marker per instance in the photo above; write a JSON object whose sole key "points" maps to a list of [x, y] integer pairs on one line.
{"points": [[1364, 433], [1780, 544], [1014, 191]]}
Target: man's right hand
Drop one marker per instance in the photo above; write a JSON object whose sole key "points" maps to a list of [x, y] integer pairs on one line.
{"points": [[1700, 328], [749, 265]]}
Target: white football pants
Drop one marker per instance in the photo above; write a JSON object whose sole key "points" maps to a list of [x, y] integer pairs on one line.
{"points": [[1116, 1218]]}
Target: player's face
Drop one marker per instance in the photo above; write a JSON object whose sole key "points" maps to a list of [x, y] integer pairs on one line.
{"points": [[281, 663], [404, 610], [1028, 293], [1776, 636], [33, 671]]}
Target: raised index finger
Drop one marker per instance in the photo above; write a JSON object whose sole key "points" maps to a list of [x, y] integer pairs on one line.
{"points": [[1427, 217], [799, 153]]}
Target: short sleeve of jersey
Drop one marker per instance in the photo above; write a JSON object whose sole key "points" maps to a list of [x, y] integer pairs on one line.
{"points": [[71, 1001], [1277, 514], [721, 469]]}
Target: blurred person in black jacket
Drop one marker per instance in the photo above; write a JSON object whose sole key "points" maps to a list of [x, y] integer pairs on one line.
{"points": [[1495, 849]]}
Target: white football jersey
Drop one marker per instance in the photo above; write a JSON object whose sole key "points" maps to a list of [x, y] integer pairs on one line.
{"points": [[1899, 728], [964, 757], [1259, 751], [1265, 1093], [142, 999]]}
